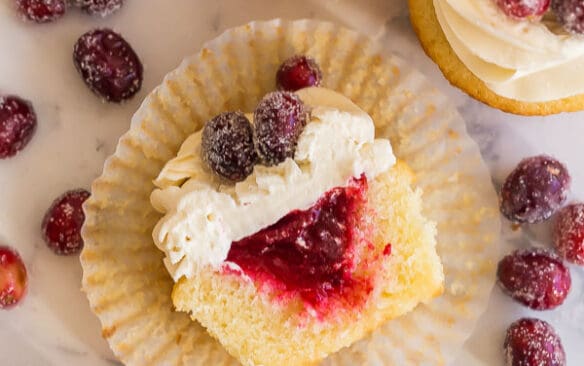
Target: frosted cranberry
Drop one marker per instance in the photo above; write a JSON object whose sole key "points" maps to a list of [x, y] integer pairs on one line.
{"points": [[42, 11], [298, 72], [534, 190], [533, 342], [279, 120], [308, 252], [570, 13], [108, 65], [17, 125], [536, 278], [569, 233], [13, 279], [227, 146], [520, 9], [99, 7], [62, 223]]}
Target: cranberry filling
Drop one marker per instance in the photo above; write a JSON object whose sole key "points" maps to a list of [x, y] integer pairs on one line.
{"points": [[310, 252]]}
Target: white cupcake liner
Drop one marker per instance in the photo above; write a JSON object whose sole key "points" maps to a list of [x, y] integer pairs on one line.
{"points": [[124, 278]]}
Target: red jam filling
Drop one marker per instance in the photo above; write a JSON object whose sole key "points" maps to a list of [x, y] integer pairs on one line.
{"points": [[310, 252]]}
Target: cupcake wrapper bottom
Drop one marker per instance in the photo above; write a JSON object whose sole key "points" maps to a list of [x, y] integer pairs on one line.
{"points": [[123, 274]]}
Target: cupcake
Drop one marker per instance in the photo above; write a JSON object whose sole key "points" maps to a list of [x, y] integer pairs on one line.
{"points": [[291, 253], [522, 57], [217, 235]]}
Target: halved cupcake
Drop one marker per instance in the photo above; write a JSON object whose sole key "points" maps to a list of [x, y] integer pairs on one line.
{"points": [[293, 232], [128, 286]]}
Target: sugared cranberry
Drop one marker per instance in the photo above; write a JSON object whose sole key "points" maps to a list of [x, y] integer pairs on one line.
{"points": [[17, 125], [570, 13], [108, 65], [227, 146], [42, 11], [569, 233], [533, 342], [535, 277], [100, 7], [62, 223], [520, 9], [534, 190], [308, 252], [279, 120], [13, 279], [298, 72]]}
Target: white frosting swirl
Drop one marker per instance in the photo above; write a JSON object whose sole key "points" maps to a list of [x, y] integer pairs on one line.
{"points": [[524, 60], [204, 216]]}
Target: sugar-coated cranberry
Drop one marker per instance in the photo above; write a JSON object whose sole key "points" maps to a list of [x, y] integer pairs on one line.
{"points": [[18, 123], [41, 11], [534, 277], [62, 223], [279, 120], [520, 9], [534, 190], [13, 278], [298, 72], [108, 65], [570, 13], [228, 147], [99, 7], [569, 233], [533, 342]]}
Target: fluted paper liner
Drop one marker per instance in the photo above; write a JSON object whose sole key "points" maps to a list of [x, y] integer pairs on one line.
{"points": [[123, 274]]}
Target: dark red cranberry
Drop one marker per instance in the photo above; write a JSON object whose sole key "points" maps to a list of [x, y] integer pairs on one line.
{"points": [[520, 9], [62, 223], [569, 233], [298, 72], [42, 11], [535, 277], [108, 65], [99, 7], [570, 13], [308, 252], [279, 120], [534, 190], [227, 146], [17, 125], [533, 342], [13, 278]]}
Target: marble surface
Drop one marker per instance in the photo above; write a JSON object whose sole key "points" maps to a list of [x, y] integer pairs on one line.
{"points": [[54, 325]]}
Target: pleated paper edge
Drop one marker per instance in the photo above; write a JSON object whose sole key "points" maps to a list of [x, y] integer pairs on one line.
{"points": [[425, 112]]}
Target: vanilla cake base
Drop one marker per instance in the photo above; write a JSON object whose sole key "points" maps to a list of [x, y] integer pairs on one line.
{"points": [[259, 332]]}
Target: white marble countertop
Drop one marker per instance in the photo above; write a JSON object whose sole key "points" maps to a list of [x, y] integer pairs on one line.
{"points": [[54, 325]]}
